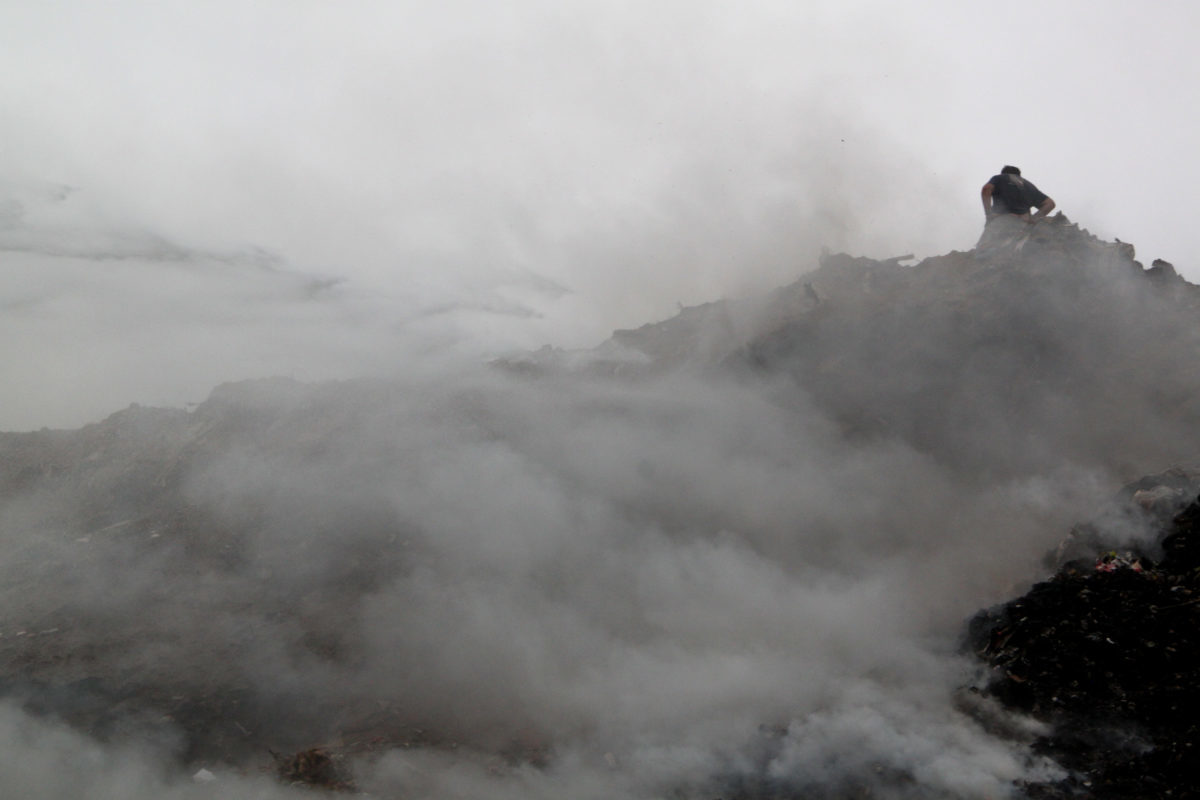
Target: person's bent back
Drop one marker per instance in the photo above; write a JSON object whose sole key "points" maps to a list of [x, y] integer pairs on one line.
{"points": [[1009, 193]]}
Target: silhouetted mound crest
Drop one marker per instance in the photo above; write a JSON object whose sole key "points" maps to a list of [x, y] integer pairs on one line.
{"points": [[1045, 353], [1046, 349]]}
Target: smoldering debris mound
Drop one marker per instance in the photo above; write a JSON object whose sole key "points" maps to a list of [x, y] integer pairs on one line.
{"points": [[1108, 650], [1063, 350], [1052, 348], [199, 579]]}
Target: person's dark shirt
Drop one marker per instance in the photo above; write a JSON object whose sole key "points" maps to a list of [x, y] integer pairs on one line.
{"points": [[1012, 194]]}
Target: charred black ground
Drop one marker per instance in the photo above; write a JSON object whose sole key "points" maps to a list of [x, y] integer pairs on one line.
{"points": [[1108, 652]]}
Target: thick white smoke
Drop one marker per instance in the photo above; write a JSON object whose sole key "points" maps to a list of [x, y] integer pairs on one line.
{"points": [[681, 583], [677, 583]]}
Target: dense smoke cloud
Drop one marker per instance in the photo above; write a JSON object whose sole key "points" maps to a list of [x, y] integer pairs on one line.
{"points": [[705, 580], [466, 178], [509, 177], [666, 583], [686, 582], [714, 579]]}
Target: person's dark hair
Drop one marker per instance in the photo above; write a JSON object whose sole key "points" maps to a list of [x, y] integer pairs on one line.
{"points": [[1009, 170]]}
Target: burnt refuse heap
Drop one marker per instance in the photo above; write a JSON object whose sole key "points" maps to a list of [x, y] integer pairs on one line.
{"points": [[724, 555], [1108, 652]]}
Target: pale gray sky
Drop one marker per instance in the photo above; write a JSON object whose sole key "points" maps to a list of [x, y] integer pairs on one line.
{"points": [[506, 175]]}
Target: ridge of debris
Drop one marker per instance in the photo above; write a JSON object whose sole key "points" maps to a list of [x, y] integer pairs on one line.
{"points": [[1055, 250]]}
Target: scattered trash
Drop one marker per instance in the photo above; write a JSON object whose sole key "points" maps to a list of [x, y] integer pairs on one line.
{"points": [[1112, 561], [1109, 658]]}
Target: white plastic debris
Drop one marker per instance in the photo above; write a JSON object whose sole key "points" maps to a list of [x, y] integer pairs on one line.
{"points": [[203, 776]]}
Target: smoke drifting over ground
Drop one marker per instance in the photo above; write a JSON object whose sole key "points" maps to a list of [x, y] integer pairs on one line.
{"points": [[665, 584], [740, 574], [736, 565], [728, 554]]}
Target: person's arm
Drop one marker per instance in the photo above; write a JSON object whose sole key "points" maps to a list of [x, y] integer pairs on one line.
{"points": [[1045, 208], [987, 199]]}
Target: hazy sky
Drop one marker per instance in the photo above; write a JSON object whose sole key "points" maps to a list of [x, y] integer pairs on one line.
{"points": [[528, 172]]}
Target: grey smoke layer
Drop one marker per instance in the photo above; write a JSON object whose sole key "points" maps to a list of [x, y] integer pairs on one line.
{"points": [[740, 574], [662, 584], [730, 553]]}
